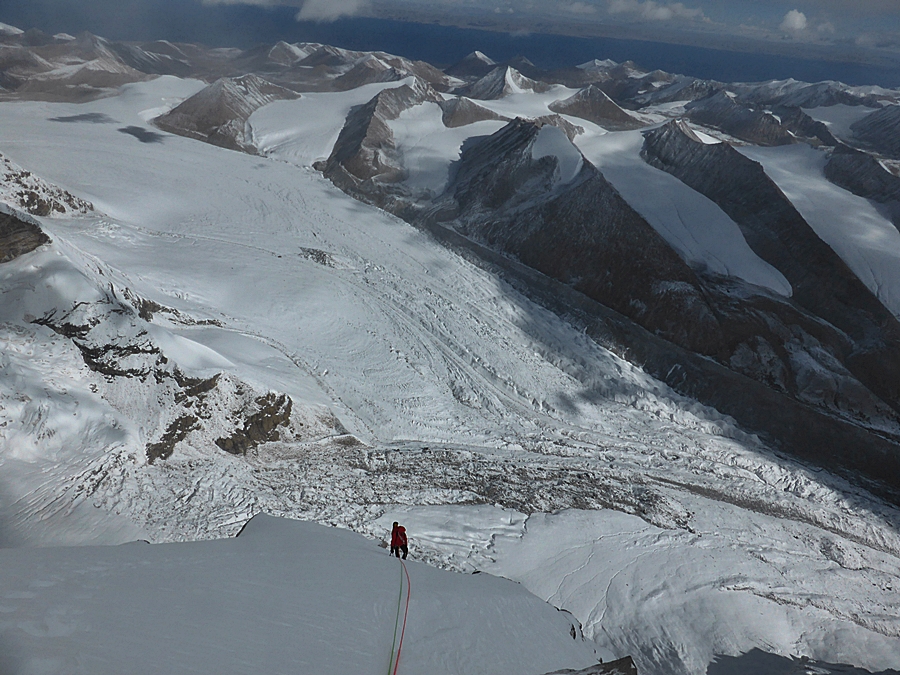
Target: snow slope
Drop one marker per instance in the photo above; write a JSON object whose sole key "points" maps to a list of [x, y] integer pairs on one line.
{"points": [[862, 235], [429, 148], [839, 117], [691, 595], [304, 131], [456, 388], [467, 362], [692, 224], [284, 597]]}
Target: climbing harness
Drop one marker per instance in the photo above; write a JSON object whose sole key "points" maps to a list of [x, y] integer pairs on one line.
{"points": [[395, 662]]}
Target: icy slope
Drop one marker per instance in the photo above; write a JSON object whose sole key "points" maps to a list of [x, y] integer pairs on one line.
{"points": [[864, 237], [284, 597], [675, 600], [693, 225]]}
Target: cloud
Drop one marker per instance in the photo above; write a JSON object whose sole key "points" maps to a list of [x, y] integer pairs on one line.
{"points": [[310, 10], [579, 8], [260, 3], [794, 22], [329, 10], [654, 11]]}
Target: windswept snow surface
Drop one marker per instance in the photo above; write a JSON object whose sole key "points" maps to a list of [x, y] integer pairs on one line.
{"points": [[284, 597], [863, 236], [429, 148], [690, 595], [553, 142], [459, 391], [838, 118], [304, 130]]}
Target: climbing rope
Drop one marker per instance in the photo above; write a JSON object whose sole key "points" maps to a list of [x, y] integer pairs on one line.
{"points": [[405, 614], [396, 662]]}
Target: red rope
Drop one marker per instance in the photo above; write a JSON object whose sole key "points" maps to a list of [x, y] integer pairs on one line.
{"points": [[405, 613]]}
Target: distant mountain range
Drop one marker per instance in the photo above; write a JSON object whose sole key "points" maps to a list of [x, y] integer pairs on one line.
{"points": [[821, 354]]}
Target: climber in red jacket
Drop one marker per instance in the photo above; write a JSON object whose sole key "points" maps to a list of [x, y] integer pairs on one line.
{"points": [[398, 541]]}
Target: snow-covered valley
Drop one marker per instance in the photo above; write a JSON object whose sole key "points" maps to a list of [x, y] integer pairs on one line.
{"points": [[147, 350]]}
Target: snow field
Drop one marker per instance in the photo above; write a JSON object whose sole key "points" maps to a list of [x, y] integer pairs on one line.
{"points": [[429, 148], [304, 130], [839, 117], [284, 597], [858, 232], [674, 600], [692, 224], [360, 317]]}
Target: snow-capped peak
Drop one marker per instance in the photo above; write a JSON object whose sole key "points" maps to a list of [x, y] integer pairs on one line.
{"points": [[597, 64], [6, 29], [480, 56]]}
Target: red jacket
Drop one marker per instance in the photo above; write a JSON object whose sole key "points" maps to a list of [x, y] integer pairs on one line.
{"points": [[398, 536]]}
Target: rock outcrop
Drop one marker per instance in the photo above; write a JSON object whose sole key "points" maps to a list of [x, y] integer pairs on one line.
{"points": [[593, 105], [23, 190], [863, 175], [823, 285], [461, 111], [365, 149], [18, 237], [880, 131], [623, 666], [218, 114]]}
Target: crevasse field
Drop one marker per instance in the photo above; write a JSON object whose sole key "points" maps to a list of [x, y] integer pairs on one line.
{"points": [[711, 545]]}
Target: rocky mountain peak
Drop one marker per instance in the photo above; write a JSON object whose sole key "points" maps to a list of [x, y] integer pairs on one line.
{"points": [[502, 82], [676, 133], [592, 104], [461, 111], [473, 65], [286, 54], [880, 131], [365, 148], [218, 113]]}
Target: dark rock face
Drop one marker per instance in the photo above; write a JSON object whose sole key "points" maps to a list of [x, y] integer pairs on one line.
{"points": [[368, 71], [863, 175], [18, 237], [461, 111], [365, 148], [780, 125], [501, 82], [880, 131], [823, 284], [474, 65], [273, 411], [593, 105], [582, 233], [795, 94], [804, 127], [623, 666], [722, 111], [219, 113]]}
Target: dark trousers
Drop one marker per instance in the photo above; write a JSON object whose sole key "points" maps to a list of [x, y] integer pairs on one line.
{"points": [[395, 550]]}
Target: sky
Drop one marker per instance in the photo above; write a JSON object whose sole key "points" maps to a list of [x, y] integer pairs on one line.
{"points": [[856, 27]]}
